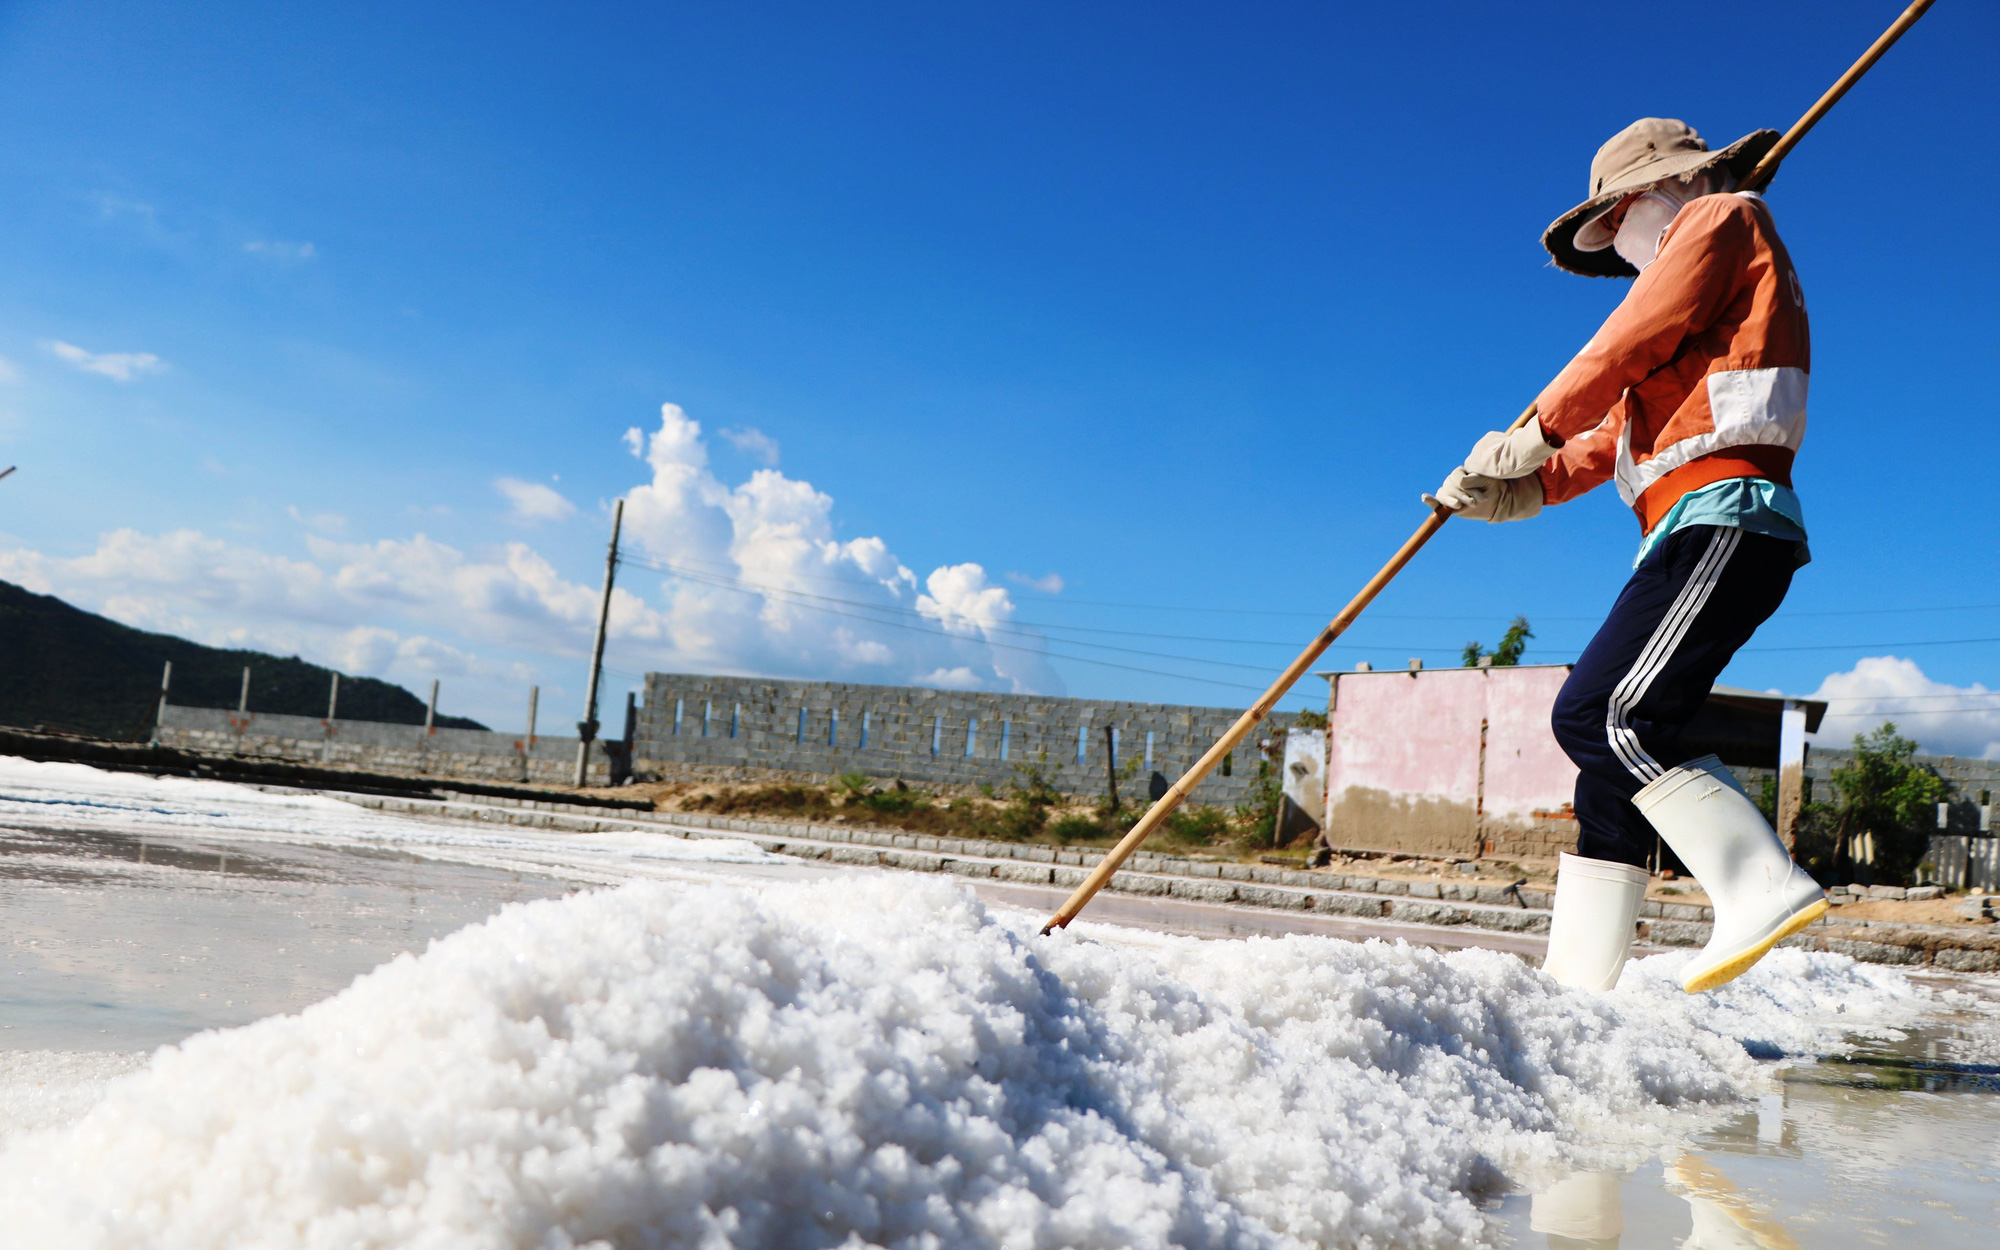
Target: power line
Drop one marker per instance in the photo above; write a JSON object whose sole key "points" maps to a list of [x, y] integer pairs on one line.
{"points": [[933, 623], [1856, 646], [1911, 698], [934, 629], [1056, 601], [873, 613]]}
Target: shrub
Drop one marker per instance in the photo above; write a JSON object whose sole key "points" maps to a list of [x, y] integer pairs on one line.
{"points": [[787, 800], [1076, 828], [894, 802], [1196, 825]]}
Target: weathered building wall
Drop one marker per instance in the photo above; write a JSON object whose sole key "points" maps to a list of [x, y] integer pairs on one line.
{"points": [[1448, 762], [469, 754], [749, 728]]}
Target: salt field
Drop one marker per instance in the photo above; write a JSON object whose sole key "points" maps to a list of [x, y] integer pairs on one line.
{"points": [[723, 1048]]}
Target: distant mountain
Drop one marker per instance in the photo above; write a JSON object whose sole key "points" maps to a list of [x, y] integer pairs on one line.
{"points": [[64, 668]]}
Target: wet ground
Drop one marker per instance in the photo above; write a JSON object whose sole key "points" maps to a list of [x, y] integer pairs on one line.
{"points": [[1895, 1145], [121, 937], [117, 941]]}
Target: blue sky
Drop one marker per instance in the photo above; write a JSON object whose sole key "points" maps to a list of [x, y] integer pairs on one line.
{"points": [[324, 330]]}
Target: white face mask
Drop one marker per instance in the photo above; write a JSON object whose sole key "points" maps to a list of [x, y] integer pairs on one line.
{"points": [[1638, 237]]}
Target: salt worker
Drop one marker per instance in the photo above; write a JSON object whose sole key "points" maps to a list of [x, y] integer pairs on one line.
{"points": [[1691, 398]]}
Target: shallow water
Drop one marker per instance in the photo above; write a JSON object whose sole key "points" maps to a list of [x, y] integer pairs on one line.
{"points": [[117, 941], [1897, 1144]]}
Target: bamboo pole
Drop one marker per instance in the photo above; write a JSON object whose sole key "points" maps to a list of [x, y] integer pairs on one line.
{"points": [[1178, 792], [1765, 168]]}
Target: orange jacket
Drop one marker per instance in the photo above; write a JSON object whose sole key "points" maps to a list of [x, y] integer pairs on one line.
{"points": [[1698, 376]]}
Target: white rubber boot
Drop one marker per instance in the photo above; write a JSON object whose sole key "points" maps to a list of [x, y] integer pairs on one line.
{"points": [[1760, 896], [1597, 905]]}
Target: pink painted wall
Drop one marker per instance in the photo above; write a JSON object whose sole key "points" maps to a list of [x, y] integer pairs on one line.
{"points": [[1526, 772], [1405, 756]]}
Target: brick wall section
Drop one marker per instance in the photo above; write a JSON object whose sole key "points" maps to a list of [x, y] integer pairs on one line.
{"points": [[470, 754], [921, 736]]}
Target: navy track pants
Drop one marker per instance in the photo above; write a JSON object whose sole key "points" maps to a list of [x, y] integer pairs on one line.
{"points": [[1691, 603]]}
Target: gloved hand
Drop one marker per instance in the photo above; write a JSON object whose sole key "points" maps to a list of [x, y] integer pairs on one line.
{"points": [[1462, 490], [1480, 498], [1510, 454]]}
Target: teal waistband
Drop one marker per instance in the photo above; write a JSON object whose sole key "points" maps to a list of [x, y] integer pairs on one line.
{"points": [[1753, 504]]}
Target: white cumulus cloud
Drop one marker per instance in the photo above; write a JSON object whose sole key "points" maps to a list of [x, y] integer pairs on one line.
{"points": [[752, 442], [749, 577], [282, 250], [1945, 719], [532, 501], [1047, 584], [761, 583], [118, 366]]}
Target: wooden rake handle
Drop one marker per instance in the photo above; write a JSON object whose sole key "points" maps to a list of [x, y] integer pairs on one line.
{"points": [[1177, 793], [1765, 168]]}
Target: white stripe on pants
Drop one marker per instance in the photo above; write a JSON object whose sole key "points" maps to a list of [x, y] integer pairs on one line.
{"points": [[1672, 629]]}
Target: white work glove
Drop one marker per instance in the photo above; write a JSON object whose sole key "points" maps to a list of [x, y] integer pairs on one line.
{"points": [[1477, 497], [1462, 490], [1509, 454]]}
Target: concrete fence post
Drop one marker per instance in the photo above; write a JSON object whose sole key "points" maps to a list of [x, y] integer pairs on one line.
{"points": [[1791, 769], [528, 740], [160, 714], [621, 753], [332, 709]]}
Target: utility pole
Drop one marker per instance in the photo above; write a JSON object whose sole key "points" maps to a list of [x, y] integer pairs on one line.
{"points": [[586, 729], [243, 699]]}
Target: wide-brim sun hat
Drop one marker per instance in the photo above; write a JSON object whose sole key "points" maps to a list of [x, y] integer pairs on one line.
{"points": [[1649, 150]]}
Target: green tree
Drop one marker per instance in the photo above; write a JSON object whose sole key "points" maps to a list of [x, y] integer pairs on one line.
{"points": [[1882, 824], [1513, 644]]}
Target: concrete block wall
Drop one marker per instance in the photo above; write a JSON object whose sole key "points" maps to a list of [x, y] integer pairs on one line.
{"points": [[469, 754], [749, 728], [1973, 785]]}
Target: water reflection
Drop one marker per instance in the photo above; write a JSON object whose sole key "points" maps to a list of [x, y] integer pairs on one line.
{"points": [[1581, 1212], [1723, 1219], [1891, 1146], [1585, 1211]]}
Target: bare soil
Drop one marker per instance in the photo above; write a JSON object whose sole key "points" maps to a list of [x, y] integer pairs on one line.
{"points": [[975, 816]]}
